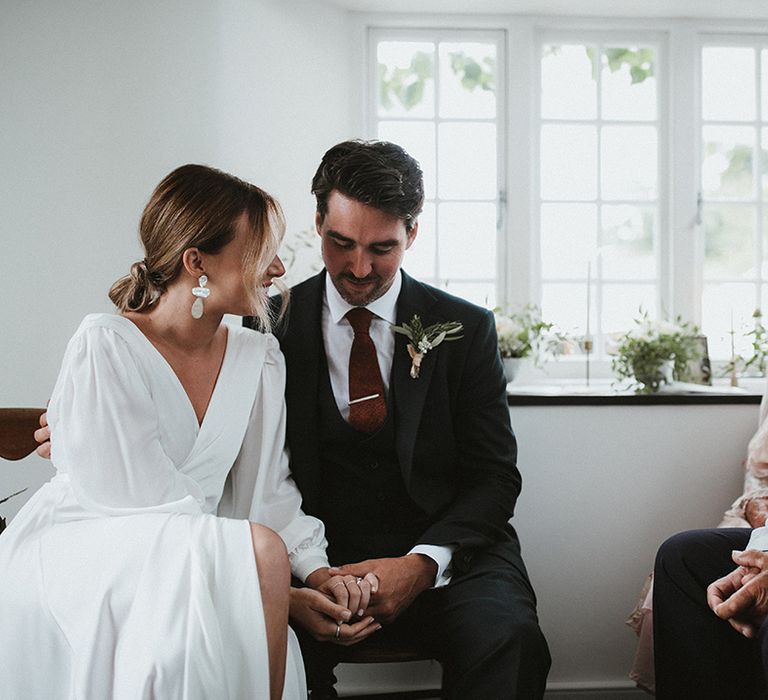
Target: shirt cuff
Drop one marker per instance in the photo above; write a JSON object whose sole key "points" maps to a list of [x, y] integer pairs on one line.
{"points": [[303, 566], [759, 539], [441, 555]]}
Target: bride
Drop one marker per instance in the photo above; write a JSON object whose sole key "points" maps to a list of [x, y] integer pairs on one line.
{"points": [[128, 575]]}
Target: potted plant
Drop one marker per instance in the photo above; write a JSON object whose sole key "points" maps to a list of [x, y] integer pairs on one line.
{"points": [[524, 338], [654, 353]]}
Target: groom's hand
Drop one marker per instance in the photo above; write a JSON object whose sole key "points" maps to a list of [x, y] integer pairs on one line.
{"points": [[401, 579]]}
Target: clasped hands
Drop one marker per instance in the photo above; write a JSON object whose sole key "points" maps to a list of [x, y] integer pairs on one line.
{"points": [[741, 597], [347, 604]]}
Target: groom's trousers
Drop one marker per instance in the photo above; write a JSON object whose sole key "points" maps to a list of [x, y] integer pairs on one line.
{"points": [[482, 627], [698, 655]]}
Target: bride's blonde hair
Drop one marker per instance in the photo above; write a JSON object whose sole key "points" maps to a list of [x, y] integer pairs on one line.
{"points": [[198, 207]]}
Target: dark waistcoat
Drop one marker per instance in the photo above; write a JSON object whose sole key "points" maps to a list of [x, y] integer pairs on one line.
{"points": [[364, 503]]}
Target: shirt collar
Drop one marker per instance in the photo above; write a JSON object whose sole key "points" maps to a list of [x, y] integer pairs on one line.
{"points": [[384, 307]]}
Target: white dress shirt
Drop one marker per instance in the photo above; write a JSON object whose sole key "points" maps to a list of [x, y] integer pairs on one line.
{"points": [[337, 339]]}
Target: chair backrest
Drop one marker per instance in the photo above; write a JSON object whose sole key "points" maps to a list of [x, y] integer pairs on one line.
{"points": [[17, 427]]}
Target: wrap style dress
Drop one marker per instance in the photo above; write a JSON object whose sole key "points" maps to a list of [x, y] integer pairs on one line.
{"points": [[131, 574]]}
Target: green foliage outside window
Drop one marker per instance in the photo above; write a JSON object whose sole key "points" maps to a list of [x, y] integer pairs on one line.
{"points": [[406, 85]]}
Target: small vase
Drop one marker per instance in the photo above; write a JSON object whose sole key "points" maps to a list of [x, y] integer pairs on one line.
{"points": [[653, 379], [514, 367]]}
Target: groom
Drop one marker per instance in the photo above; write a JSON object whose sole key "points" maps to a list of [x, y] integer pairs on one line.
{"points": [[414, 476]]}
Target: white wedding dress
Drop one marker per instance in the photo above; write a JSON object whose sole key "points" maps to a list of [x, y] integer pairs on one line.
{"points": [[127, 575]]}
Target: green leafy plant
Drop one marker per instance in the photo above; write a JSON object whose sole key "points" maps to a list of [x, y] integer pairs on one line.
{"points": [[525, 333], [757, 363], [642, 352]]}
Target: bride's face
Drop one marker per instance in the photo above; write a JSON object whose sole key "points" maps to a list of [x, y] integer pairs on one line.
{"points": [[225, 273]]}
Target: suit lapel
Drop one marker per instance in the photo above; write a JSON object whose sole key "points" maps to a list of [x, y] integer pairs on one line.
{"points": [[410, 394]]}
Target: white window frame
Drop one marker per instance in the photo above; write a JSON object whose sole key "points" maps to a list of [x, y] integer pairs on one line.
{"points": [[679, 98], [425, 34], [601, 39], [759, 43]]}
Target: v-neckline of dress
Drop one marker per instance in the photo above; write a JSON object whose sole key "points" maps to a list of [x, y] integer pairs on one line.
{"points": [[161, 358]]}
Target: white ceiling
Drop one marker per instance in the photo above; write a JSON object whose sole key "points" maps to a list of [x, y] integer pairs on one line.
{"points": [[730, 9]]}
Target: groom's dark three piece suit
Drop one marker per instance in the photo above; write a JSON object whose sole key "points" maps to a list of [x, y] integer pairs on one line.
{"points": [[441, 471]]}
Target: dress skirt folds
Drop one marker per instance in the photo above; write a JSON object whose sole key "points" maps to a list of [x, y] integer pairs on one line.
{"points": [[131, 575]]}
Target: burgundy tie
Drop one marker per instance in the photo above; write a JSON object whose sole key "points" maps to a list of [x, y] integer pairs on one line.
{"points": [[367, 405]]}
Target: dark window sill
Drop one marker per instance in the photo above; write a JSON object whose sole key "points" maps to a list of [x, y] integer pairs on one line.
{"points": [[625, 399]]}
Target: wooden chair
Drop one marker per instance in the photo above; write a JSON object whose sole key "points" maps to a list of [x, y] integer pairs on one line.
{"points": [[17, 427], [385, 652]]}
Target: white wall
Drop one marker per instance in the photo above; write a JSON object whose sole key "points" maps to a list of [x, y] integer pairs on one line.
{"points": [[99, 101], [602, 488]]}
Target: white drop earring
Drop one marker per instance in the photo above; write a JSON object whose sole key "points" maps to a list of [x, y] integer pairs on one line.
{"points": [[200, 292]]}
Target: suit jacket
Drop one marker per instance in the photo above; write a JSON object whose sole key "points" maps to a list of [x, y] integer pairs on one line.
{"points": [[455, 445]]}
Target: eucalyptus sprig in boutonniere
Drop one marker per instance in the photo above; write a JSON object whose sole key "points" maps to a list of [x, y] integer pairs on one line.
{"points": [[425, 339]]}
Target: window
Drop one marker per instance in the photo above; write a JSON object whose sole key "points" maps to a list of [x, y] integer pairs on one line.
{"points": [[439, 95], [632, 155], [598, 185], [733, 187]]}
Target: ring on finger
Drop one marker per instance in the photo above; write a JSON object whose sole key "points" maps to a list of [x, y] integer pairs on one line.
{"points": [[338, 630]]}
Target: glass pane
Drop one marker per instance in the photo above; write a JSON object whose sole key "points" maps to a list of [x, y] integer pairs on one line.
{"points": [[467, 240], [418, 138], [726, 168], [566, 306], [728, 83], [568, 87], [568, 162], [764, 82], [467, 164], [480, 293], [628, 235], [763, 166], [467, 80], [729, 241], [406, 79], [622, 304], [629, 162], [568, 239], [628, 83], [719, 304], [419, 259]]}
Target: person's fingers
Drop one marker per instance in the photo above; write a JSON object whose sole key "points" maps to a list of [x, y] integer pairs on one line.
{"points": [[42, 434], [716, 593], [44, 450], [355, 594], [337, 587], [365, 595], [330, 609], [750, 558], [44, 419], [353, 633], [373, 580], [737, 603], [743, 628]]}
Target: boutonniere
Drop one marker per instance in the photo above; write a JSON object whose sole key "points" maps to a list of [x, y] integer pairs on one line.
{"points": [[425, 339]]}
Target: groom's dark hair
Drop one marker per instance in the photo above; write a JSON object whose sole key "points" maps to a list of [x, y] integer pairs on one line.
{"points": [[377, 173]]}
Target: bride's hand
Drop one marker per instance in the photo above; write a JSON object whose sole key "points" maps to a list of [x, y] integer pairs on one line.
{"points": [[326, 621], [353, 592]]}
